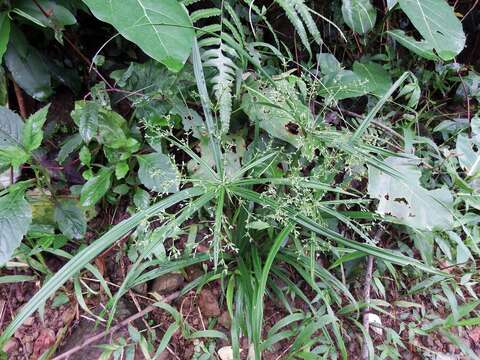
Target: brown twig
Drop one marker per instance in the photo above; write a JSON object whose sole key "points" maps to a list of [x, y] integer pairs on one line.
{"points": [[115, 328], [20, 100]]}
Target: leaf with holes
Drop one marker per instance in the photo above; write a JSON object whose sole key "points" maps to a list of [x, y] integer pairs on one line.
{"points": [[405, 199], [162, 29], [278, 111]]}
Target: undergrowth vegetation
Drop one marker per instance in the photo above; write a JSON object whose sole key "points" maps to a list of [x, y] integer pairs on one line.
{"points": [[317, 160]]}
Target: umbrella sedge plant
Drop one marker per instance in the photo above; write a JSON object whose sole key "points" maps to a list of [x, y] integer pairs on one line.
{"points": [[292, 219]]}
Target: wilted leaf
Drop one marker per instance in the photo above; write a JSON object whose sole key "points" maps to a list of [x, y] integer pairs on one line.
{"points": [[406, 199], [15, 218], [158, 173]]}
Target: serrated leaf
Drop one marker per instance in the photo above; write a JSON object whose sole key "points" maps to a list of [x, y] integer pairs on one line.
{"points": [[85, 156], [68, 147], [15, 219], [162, 29], [435, 20], [359, 15], [32, 133], [86, 115], [11, 127], [406, 199], [96, 187], [158, 173], [70, 219]]}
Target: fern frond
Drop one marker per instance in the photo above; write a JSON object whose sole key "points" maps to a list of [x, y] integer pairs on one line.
{"points": [[189, 2], [300, 15], [289, 7], [304, 12], [222, 82], [205, 14]]}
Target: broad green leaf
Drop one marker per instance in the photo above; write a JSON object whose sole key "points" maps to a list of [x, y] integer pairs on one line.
{"points": [[111, 129], [15, 219], [328, 63], [158, 173], [4, 32], [85, 156], [121, 170], [58, 15], [435, 20], [70, 219], [141, 199], [27, 67], [277, 110], [359, 15], [12, 156], [86, 115], [32, 134], [11, 128], [366, 78], [419, 47], [96, 187], [162, 29], [468, 157], [470, 86], [68, 147], [377, 78], [406, 199]]}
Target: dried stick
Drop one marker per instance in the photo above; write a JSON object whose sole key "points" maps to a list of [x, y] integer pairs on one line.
{"points": [[113, 329], [20, 100]]}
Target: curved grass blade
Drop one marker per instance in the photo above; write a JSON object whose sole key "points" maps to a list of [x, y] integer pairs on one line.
{"points": [[89, 253]]}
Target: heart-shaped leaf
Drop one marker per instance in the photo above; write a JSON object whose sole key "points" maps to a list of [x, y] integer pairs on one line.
{"points": [[162, 29]]}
